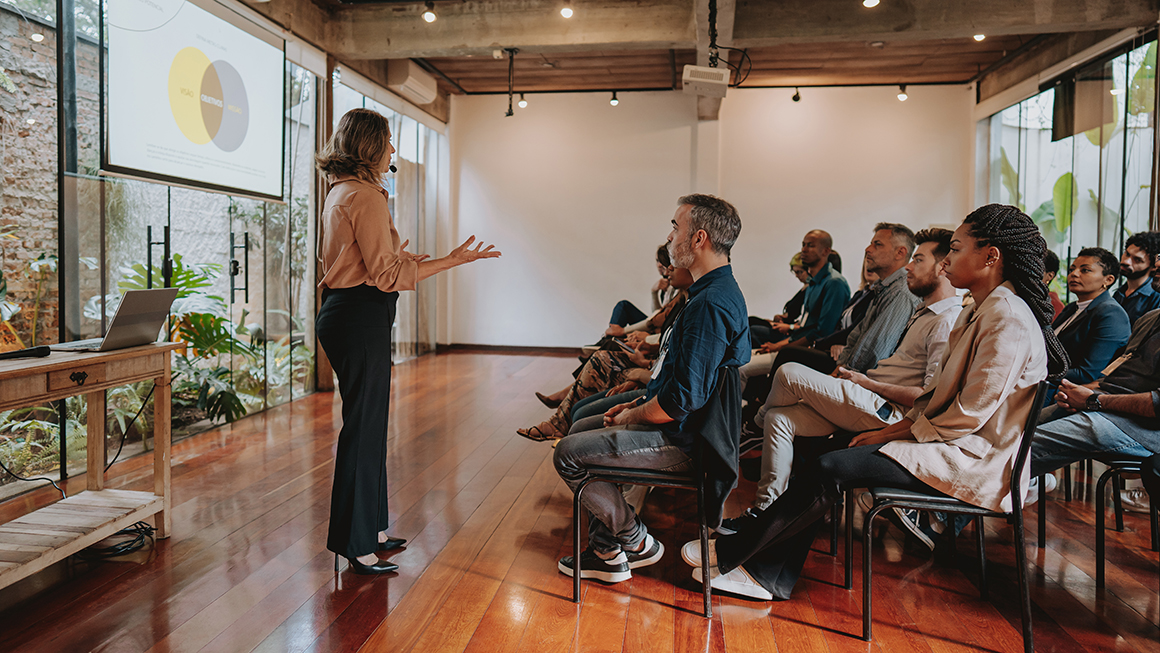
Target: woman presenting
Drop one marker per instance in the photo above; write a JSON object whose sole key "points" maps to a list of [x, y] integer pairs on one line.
{"points": [[364, 268]]}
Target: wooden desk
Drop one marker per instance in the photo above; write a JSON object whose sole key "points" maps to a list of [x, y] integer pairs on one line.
{"points": [[36, 540]]}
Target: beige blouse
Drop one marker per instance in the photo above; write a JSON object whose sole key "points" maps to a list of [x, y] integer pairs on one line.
{"points": [[967, 423], [359, 242]]}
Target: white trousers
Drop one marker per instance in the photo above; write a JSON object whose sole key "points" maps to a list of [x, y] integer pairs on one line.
{"points": [[806, 403], [758, 365]]}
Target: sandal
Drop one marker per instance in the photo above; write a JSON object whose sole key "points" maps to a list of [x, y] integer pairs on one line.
{"points": [[538, 434], [548, 401]]}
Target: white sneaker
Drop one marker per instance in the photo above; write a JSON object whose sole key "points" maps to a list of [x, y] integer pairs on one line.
{"points": [[1049, 485], [691, 553], [737, 581], [1135, 500]]}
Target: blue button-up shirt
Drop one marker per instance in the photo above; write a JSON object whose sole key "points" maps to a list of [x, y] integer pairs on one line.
{"points": [[827, 294], [712, 331], [1145, 299]]}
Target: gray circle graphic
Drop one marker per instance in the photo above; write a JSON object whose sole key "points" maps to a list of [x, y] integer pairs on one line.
{"points": [[236, 112]]}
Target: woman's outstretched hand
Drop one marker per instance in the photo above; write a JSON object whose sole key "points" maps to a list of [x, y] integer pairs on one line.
{"points": [[408, 256], [465, 253]]}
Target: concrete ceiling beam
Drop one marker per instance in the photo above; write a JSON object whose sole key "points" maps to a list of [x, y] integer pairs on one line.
{"points": [[804, 21], [478, 28]]}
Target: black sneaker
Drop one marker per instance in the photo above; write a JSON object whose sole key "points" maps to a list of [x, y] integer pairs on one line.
{"points": [[591, 566], [909, 520], [649, 555], [731, 526]]}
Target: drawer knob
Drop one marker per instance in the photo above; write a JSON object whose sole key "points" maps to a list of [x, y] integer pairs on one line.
{"points": [[78, 378]]}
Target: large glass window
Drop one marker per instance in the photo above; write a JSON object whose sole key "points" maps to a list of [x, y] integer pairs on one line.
{"points": [[244, 267], [412, 199], [1078, 157]]}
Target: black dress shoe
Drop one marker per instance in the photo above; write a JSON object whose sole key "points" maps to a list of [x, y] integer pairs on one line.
{"points": [[357, 567], [391, 544]]}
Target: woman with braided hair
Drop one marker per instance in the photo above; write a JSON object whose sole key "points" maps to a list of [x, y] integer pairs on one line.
{"points": [[961, 437]]}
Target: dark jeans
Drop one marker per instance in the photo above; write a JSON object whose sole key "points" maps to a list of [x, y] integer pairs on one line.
{"points": [[773, 547], [599, 403], [354, 328], [760, 333], [625, 313]]}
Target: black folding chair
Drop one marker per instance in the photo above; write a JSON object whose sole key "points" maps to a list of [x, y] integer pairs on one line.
{"points": [[636, 476], [887, 498]]}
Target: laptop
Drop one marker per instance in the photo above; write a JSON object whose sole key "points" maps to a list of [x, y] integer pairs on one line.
{"points": [[139, 319]]}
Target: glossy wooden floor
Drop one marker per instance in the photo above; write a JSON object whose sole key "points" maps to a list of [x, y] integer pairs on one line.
{"points": [[487, 517]]}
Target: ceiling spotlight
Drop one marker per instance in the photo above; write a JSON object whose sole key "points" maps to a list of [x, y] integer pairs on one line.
{"points": [[37, 38], [614, 101], [523, 104], [902, 93], [980, 37], [429, 15], [566, 10], [869, 3], [797, 95]]}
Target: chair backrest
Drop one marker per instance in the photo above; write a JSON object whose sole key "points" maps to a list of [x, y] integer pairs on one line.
{"points": [[1025, 442]]}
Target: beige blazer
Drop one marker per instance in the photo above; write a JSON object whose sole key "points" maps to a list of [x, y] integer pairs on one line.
{"points": [[967, 424]]}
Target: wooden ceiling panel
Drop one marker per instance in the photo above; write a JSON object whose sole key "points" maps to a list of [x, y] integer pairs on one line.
{"points": [[800, 64]]}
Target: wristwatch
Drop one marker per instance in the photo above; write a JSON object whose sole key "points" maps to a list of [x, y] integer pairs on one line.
{"points": [[1093, 402]]}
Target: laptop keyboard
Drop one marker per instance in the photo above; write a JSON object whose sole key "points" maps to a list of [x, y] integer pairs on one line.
{"points": [[90, 344]]}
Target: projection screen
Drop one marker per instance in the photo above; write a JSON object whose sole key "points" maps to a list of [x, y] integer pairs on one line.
{"points": [[193, 98]]}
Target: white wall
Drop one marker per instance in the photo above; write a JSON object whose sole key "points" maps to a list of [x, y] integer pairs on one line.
{"points": [[578, 194], [842, 160]]}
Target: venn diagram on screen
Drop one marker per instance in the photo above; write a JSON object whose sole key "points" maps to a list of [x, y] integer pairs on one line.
{"points": [[208, 100]]}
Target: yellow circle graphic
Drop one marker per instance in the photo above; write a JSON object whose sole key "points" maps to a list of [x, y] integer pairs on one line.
{"points": [[185, 83]]}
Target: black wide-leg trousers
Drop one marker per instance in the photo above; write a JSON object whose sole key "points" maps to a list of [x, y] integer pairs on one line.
{"points": [[354, 328]]}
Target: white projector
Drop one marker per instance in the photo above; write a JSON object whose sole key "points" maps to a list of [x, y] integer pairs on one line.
{"points": [[702, 80]]}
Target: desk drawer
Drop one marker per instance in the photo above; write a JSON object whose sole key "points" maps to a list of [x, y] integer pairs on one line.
{"points": [[76, 377]]}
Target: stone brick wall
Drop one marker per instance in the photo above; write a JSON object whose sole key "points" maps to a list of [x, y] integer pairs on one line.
{"points": [[28, 161]]}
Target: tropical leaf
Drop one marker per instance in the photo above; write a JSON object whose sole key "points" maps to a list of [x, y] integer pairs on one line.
{"points": [[1009, 176], [1142, 89], [1064, 197]]}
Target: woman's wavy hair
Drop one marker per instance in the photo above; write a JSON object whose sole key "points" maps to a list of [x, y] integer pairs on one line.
{"points": [[357, 147], [1023, 248]]}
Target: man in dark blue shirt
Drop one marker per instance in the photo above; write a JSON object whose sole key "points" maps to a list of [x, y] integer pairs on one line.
{"points": [[1135, 293], [711, 332]]}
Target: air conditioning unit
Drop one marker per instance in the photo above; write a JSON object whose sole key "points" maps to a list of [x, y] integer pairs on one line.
{"points": [[406, 78], [702, 80]]}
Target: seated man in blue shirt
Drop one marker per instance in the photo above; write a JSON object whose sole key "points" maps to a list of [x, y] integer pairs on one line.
{"points": [[711, 332], [1136, 294]]}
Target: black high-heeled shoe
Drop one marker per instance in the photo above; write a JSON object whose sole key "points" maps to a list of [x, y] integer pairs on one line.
{"points": [[392, 543], [380, 567]]}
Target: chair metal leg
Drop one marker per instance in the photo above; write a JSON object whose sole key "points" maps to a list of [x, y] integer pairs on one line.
{"points": [[849, 539], [835, 524], [1067, 482], [982, 556], [867, 545], [1043, 512], [706, 580], [1152, 515], [1117, 502], [1024, 585], [1101, 485], [576, 542]]}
